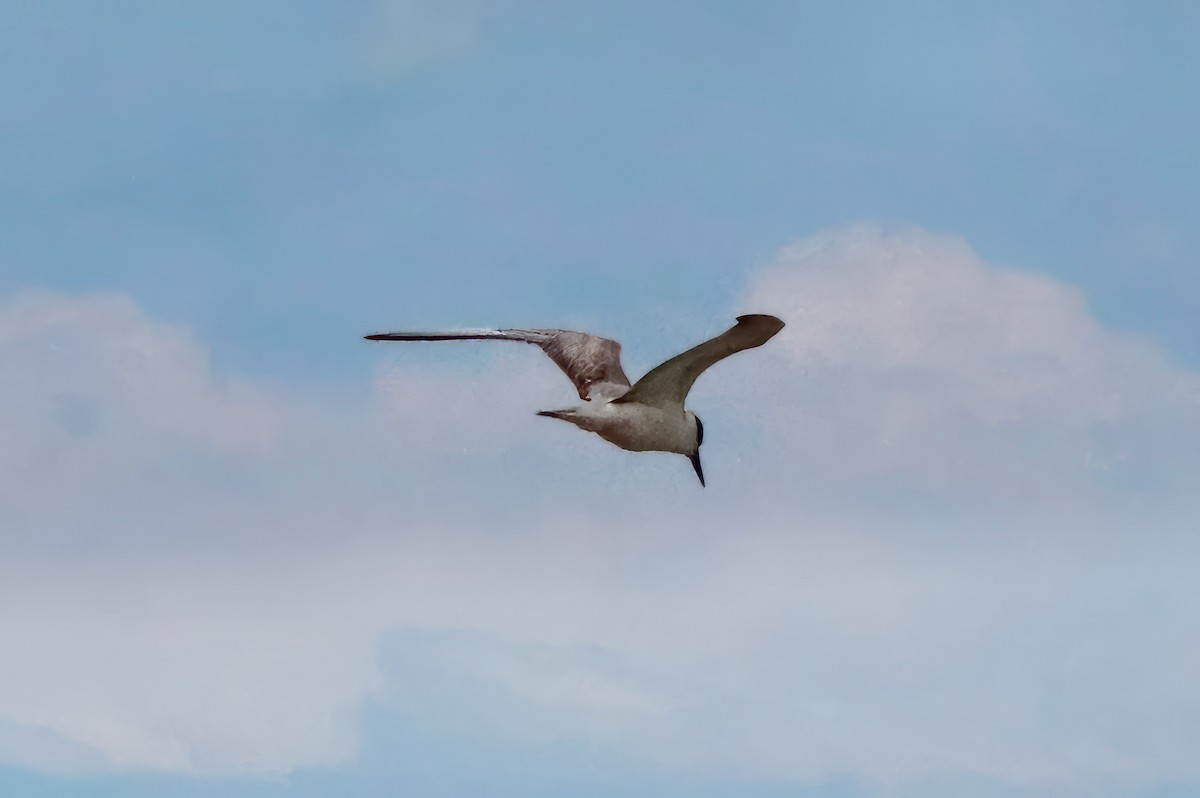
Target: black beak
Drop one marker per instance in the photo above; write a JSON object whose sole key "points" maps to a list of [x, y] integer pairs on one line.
{"points": [[695, 458]]}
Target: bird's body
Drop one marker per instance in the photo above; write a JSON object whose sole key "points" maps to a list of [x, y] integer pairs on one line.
{"points": [[648, 416], [633, 426]]}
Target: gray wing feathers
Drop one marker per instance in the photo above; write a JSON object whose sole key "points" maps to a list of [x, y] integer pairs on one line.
{"points": [[449, 335], [668, 384], [592, 363]]}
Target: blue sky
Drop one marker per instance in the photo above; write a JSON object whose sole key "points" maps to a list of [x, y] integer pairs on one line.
{"points": [[943, 548]]}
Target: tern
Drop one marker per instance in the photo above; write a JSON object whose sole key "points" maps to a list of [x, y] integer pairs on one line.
{"points": [[648, 416]]}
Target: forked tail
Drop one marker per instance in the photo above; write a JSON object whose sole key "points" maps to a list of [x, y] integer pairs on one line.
{"points": [[570, 415]]}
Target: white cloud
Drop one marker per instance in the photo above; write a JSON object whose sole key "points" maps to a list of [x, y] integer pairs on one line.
{"points": [[910, 358], [212, 577]]}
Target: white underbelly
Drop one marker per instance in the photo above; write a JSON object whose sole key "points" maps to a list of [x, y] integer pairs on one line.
{"points": [[640, 428]]}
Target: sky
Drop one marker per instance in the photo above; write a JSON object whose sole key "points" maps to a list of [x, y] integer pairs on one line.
{"points": [[946, 546]]}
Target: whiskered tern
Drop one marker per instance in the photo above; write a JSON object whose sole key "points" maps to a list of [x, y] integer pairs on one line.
{"points": [[646, 417]]}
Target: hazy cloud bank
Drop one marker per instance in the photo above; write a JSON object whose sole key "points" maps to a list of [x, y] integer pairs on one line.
{"points": [[212, 575]]}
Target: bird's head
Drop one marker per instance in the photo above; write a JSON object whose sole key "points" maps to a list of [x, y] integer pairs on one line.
{"points": [[695, 455]]}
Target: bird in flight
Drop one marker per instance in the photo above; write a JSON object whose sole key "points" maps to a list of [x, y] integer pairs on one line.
{"points": [[648, 416]]}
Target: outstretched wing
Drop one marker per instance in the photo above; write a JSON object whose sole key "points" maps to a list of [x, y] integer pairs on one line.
{"points": [[592, 363], [668, 384]]}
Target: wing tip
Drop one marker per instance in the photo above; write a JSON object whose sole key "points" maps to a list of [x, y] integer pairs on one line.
{"points": [[766, 324]]}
